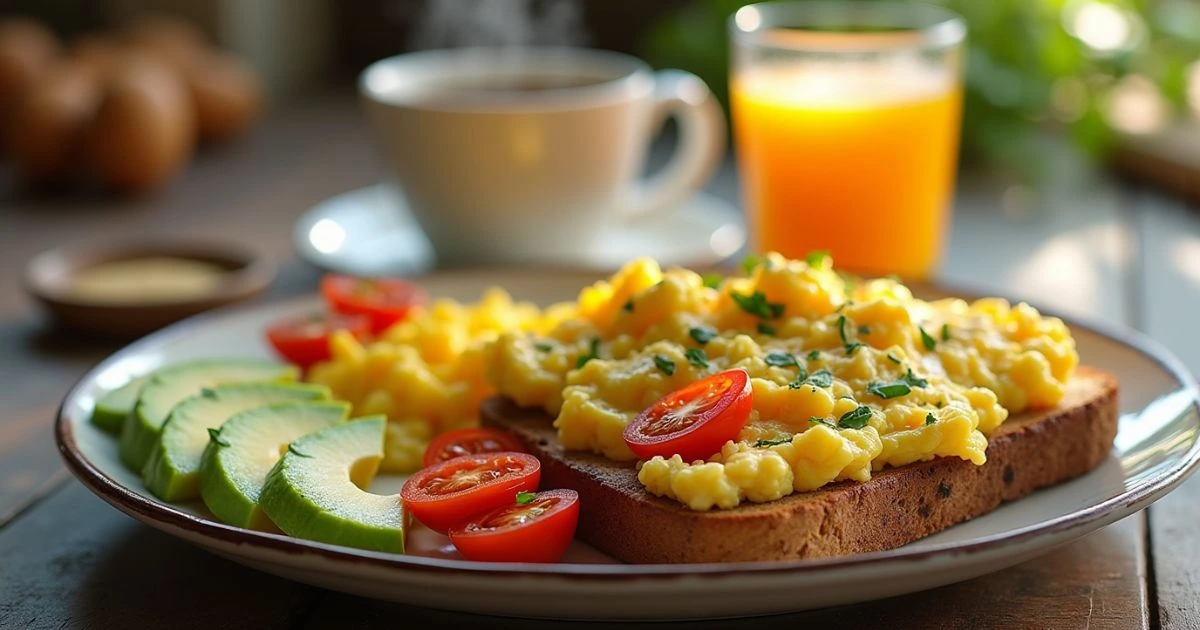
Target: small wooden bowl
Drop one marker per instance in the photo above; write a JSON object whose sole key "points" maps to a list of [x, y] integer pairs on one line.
{"points": [[48, 278]]}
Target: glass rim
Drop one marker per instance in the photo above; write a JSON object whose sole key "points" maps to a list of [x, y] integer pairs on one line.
{"points": [[927, 26]]}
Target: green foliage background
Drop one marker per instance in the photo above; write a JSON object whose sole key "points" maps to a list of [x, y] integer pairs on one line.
{"points": [[1017, 50]]}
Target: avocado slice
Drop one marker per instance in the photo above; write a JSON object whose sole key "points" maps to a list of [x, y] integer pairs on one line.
{"points": [[112, 408], [241, 453], [316, 489], [173, 470], [169, 385]]}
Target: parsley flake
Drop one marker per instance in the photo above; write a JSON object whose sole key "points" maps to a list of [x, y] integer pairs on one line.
{"points": [[930, 419], [525, 498], [542, 346], [856, 419], [697, 357], [702, 335], [816, 258], [713, 280], [766, 329], [756, 304], [841, 324], [750, 263], [945, 332], [821, 378], [665, 365], [592, 353], [823, 421], [851, 347], [780, 359], [913, 380], [928, 341], [628, 307], [775, 442], [888, 390], [893, 359], [215, 436], [801, 376], [813, 355], [864, 330]]}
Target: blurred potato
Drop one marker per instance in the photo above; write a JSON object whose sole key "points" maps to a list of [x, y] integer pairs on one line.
{"points": [[143, 131], [47, 124], [226, 95], [96, 52], [179, 41], [27, 48]]}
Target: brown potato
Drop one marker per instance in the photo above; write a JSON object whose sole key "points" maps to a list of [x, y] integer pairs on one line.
{"points": [[27, 48], [97, 52], [226, 94], [143, 132], [47, 124]]}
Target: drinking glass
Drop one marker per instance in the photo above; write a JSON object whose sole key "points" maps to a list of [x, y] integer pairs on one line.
{"points": [[846, 117]]}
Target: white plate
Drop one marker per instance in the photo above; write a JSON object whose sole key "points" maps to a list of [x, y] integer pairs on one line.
{"points": [[1156, 448], [369, 231]]}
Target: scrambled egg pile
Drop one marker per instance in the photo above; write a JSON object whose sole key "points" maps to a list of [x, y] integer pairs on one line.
{"points": [[847, 378], [426, 373]]}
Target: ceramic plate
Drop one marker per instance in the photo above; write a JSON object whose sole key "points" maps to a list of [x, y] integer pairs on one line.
{"points": [[369, 231], [1156, 448]]}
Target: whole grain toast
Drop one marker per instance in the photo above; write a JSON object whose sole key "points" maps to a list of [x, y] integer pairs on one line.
{"points": [[895, 507]]}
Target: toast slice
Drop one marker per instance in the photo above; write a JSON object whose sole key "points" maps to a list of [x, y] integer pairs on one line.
{"points": [[895, 507]]}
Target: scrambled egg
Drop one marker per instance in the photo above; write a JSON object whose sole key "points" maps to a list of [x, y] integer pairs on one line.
{"points": [[426, 373], [847, 378]]}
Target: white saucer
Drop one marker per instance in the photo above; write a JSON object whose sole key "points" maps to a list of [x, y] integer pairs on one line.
{"points": [[369, 231]]}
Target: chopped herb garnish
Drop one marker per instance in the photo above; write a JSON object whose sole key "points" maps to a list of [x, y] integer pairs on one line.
{"points": [[780, 359], [713, 280], [215, 436], [945, 332], [816, 258], [525, 498], [775, 442], [592, 353], [756, 304], [821, 378], [823, 421], [939, 404], [929, 342], [851, 347], [297, 452], [628, 307], [913, 380], [750, 263], [864, 330], [542, 346], [930, 419], [766, 329], [697, 357], [888, 390], [665, 365], [813, 355], [856, 419], [841, 323], [801, 376], [702, 335], [208, 393], [893, 359]]}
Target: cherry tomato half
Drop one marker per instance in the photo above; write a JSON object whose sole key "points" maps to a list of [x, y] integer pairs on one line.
{"points": [[305, 340], [536, 530], [469, 441], [452, 492], [385, 300], [693, 421]]}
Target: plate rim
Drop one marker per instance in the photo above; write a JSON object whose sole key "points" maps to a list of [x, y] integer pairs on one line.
{"points": [[161, 514]]}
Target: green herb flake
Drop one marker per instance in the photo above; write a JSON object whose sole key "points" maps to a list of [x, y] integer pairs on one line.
{"points": [[945, 332], [543, 346], [928, 341], [817, 258], [214, 435], [780, 359], [592, 353], [757, 305], [297, 452], [750, 263], [841, 324], [893, 359], [665, 365], [930, 419], [821, 378], [713, 280], [801, 376], [813, 355], [824, 422], [864, 330], [702, 335], [766, 329], [208, 393], [939, 404], [856, 419], [851, 347], [775, 442], [697, 357], [525, 498], [628, 307], [912, 380], [888, 390]]}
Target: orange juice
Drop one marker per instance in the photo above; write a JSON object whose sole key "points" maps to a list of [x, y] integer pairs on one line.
{"points": [[859, 161]]}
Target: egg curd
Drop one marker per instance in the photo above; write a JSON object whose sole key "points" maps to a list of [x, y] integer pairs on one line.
{"points": [[426, 372], [847, 377]]}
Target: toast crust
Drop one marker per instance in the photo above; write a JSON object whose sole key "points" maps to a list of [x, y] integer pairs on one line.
{"points": [[895, 507]]}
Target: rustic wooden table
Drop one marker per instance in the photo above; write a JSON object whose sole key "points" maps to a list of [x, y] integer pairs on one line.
{"points": [[1082, 244]]}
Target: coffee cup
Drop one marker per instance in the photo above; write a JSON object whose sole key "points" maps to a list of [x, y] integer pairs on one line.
{"points": [[516, 155]]}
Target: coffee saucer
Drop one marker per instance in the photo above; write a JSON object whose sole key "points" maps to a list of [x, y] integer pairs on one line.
{"points": [[370, 231]]}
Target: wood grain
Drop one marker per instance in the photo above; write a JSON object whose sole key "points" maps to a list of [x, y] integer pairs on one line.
{"points": [[29, 464]]}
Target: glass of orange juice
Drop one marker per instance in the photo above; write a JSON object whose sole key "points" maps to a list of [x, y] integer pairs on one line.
{"points": [[846, 117]]}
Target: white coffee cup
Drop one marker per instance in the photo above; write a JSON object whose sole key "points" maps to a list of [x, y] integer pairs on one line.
{"points": [[527, 154]]}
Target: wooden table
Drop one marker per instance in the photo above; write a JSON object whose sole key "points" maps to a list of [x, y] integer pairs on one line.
{"points": [[1081, 244]]}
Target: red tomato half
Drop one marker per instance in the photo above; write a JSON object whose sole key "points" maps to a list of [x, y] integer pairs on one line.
{"points": [[385, 300], [694, 421], [538, 531], [452, 492], [305, 340], [469, 441]]}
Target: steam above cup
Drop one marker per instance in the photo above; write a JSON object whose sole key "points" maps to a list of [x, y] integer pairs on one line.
{"points": [[520, 155]]}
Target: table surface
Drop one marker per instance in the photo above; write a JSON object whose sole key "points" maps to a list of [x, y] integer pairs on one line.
{"points": [[1081, 242]]}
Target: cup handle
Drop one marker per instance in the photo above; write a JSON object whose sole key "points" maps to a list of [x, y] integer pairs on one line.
{"points": [[698, 151]]}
